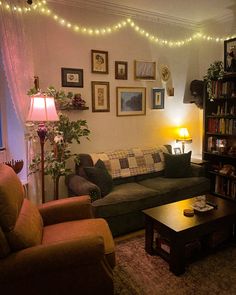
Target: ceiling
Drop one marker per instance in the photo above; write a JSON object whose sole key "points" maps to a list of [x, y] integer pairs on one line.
{"points": [[185, 12]]}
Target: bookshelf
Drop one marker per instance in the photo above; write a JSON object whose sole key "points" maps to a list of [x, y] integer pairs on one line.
{"points": [[219, 140]]}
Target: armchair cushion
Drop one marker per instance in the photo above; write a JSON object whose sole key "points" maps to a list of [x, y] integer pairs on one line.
{"points": [[4, 246], [177, 165], [66, 210], [28, 228], [57, 233], [11, 196]]}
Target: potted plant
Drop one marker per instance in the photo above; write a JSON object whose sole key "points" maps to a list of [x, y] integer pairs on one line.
{"points": [[215, 72], [60, 135]]}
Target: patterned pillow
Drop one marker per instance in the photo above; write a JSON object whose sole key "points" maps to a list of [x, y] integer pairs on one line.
{"points": [[131, 162]]}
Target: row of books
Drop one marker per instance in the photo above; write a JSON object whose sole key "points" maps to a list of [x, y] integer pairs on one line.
{"points": [[222, 125], [223, 88], [225, 187], [225, 109]]}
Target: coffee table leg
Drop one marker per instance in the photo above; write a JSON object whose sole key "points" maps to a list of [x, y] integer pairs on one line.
{"points": [[149, 233], [177, 257]]}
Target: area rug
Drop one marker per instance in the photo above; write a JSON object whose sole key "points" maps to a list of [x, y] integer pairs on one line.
{"points": [[138, 273]]}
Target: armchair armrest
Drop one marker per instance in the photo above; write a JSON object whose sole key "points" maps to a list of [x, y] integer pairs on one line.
{"points": [[68, 209], [78, 185], [44, 260]]}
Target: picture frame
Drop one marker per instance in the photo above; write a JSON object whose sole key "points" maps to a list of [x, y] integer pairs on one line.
{"points": [[71, 77], [177, 151], [99, 61], [131, 101], [100, 96], [230, 55], [121, 70], [158, 95], [144, 70]]}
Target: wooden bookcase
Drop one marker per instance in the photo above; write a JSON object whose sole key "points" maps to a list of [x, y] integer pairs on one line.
{"points": [[219, 139]]}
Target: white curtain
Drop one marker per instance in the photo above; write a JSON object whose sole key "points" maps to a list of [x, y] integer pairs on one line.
{"points": [[17, 57]]}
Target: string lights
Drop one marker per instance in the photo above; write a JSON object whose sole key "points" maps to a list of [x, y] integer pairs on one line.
{"points": [[40, 7]]}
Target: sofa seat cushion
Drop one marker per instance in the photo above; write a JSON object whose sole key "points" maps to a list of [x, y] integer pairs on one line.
{"points": [[123, 199], [80, 229], [173, 189]]}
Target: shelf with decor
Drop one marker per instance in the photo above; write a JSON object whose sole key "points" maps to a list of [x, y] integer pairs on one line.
{"points": [[219, 138]]}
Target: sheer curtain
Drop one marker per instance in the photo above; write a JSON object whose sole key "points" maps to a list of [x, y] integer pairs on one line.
{"points": [[17, 58]]}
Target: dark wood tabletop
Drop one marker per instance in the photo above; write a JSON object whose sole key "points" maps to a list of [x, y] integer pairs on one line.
{"points": [[172, 215]]}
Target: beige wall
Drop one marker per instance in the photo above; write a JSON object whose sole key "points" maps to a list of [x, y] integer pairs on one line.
{"points": [[56, 46]]}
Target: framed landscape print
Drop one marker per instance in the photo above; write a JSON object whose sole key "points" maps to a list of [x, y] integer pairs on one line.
{"points": [[99, 61], [100, 96], [144, 70], [158, 95], [121, 70], [230, 55], [131, 101], [71, 77]]}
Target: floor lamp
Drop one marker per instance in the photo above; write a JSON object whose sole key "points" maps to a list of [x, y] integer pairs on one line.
{"points": [[184, 137], [42, 109]]}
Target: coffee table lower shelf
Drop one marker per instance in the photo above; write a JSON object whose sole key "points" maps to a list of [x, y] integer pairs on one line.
{"points": [[187, 238]]}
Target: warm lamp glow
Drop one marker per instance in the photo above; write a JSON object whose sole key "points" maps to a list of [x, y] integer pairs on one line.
{"points": [[42, 109], [184, 134], [184, 137]]}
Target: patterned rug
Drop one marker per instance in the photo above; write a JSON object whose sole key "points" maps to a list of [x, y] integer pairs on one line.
{"points": [[138, 273]]}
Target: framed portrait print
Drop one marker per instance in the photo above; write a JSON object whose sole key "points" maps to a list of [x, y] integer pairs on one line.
{"points": [[99, 61], [100, 96], [131, 101], [177, 151], [230, 55], [71, 77], [144, 70], [158, 95], [121, 70]]}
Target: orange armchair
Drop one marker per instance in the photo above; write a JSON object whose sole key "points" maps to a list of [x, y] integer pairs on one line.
{"points": [[57, 248]]}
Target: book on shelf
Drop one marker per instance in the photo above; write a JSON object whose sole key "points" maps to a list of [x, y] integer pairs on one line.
{"points": [[223, 89]]}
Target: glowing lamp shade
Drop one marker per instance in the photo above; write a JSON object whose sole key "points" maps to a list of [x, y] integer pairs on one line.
{"points": [[184, 134], [42, 109], [183, 137]]}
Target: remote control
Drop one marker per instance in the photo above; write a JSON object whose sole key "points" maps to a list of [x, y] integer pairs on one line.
{"points": [[212, 204]]}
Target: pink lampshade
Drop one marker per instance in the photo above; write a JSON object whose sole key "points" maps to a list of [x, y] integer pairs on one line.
{"points": [[42, 108]]}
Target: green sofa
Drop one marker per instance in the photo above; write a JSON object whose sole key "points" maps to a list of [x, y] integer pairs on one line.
{"points": [[122, 206]]}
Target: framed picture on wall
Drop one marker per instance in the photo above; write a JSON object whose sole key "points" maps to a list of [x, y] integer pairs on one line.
{"points": [[230, 55], [100, 96], [99, 61], [131, 101], [72, 77], [144, 70], [121, 70], [158, 95]]}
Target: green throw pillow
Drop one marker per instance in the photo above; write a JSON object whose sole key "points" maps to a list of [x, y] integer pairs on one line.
{"points": [[177, 165], [100, 176]]}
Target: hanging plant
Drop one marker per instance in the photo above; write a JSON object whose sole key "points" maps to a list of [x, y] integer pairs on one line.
{"points": [[215, 72]]}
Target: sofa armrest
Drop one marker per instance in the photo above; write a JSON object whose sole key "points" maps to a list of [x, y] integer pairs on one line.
{"points": [[197, 170], [43, 260], [79, 186], [68, 209]]}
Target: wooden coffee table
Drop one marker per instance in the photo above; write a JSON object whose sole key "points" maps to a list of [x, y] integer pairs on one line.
{"points": [[170, 222]]}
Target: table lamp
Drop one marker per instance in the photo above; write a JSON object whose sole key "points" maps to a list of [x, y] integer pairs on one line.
{"points": [[42, 109], [184, 137]]}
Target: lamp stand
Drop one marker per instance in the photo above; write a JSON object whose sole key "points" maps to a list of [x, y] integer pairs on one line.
{"points": [[42, 132], [183, 146]]}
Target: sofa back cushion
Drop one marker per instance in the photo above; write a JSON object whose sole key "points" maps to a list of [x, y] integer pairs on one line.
{"points": [[132, 162], [28, 229]]}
